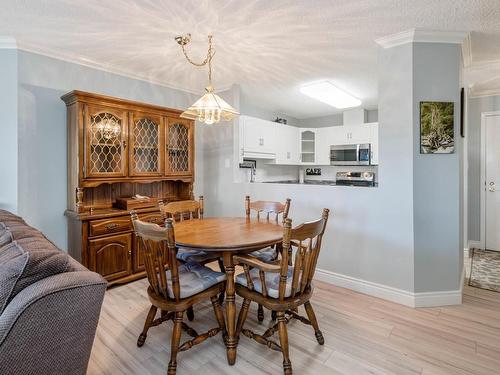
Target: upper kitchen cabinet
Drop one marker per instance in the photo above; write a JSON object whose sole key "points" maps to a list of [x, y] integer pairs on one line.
{"points": [[352, 134], [287, 147], [323, 143], [105, 142], [146, 146], [257, 138], [179, 148]]}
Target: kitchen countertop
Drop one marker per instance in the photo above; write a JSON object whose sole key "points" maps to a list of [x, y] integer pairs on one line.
{"points": [[311, 182]]}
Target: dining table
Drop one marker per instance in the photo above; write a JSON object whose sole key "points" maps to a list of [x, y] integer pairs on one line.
{"points": [[229, 236]]}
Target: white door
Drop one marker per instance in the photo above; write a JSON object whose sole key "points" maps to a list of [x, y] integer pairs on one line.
{"points": [[492, 202]]}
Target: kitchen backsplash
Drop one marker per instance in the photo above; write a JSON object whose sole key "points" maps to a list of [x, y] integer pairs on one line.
{"points": [[271, 172]]}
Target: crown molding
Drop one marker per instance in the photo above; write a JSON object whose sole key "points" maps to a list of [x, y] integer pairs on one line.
{"points": [[422, 36], [467, 51], [11, 43], [481, 93], [7, 43]]}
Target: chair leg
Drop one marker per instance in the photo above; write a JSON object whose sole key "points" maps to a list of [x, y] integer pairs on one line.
{"points": [[190, 313], [242, 316], [287, 365], [176, 338], [149, 319], [260, 313], [314, 322], [219, 314]]}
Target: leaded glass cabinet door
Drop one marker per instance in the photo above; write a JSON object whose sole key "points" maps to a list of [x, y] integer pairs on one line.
{"points": [[179, 140], [105, 142], [146, 155]]}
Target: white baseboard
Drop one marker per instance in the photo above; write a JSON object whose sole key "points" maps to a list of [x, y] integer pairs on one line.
{"points": [[475, 245], [403, 297]]}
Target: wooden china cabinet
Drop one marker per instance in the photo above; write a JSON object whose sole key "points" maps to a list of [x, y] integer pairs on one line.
{"points": [[116, 149]]}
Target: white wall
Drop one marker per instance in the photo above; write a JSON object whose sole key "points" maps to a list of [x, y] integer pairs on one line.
{"points": [[8, 130], [437, 179], [366, 238], [42, 131]]}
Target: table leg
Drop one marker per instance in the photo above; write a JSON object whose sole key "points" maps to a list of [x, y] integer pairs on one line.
{"points": [[231, 340]]}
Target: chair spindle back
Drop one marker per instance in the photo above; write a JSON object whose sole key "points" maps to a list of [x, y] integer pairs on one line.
{"points": [[306, 238], [190, 208], [267, 207], [160, 255]]}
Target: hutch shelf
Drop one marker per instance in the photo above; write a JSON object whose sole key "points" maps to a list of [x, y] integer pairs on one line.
{"points": [[116, 149]]}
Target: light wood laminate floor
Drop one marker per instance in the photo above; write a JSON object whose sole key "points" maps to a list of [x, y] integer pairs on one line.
{"points": [[363, 334]]}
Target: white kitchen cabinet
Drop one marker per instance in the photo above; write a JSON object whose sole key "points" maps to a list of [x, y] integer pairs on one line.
{"points": [[257, 138], [323, 143], [287, 144], [374, 142], [353, 134]]}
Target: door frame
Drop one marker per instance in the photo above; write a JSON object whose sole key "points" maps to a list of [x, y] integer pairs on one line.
{"points": [[482, 182]]}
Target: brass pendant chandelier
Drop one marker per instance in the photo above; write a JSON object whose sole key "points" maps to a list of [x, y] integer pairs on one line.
{"points": [[210, 108]]}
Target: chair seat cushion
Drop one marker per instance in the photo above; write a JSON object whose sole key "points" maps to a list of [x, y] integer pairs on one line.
{"points": [[266, 255], [198, 256], [194, 278], [272, 282]]}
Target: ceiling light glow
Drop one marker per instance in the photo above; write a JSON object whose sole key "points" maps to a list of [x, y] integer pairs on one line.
{"points": [[327, 93]]}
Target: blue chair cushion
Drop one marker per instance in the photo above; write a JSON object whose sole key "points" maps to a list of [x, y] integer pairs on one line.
{"points": [[272, 282], [198, 256], [194, 278], [266, 255]]}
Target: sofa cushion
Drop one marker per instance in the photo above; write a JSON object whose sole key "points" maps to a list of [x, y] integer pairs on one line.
{"points": [[5, 235], [43, 260], [13, 260]]}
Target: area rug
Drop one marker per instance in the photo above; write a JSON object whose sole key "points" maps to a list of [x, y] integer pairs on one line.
{"points": [[485, 270]]}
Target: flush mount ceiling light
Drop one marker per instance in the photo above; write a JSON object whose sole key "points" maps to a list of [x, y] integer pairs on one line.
{"points": [[210, 108], [327, 93]]}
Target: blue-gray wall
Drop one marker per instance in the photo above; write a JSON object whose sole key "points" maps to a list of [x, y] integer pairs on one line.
{"points": [[436, 178], [42, 133], [475, 107], [8, 129]]}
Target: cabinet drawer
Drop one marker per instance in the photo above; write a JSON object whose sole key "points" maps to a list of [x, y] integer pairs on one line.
{"points": [[105, 226]]}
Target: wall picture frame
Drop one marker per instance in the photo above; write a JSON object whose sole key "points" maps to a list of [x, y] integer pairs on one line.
{"points": [[437, 127]]}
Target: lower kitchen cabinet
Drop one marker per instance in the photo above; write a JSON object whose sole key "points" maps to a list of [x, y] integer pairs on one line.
{"points": [[111, 256]]}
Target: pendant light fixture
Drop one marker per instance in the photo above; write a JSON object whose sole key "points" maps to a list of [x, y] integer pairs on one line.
{"points": [[210, 108]]}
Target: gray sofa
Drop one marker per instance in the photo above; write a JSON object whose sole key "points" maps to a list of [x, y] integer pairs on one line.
{"points": [[49, 304]]}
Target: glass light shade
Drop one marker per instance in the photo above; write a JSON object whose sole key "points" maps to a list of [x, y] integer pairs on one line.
{"points": [[210, 109]]}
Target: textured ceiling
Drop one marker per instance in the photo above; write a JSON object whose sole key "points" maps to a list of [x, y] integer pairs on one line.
{"points": [[269, 47]]}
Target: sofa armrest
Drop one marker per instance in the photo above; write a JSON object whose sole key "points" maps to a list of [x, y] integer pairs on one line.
{"points": [[49, 327]]}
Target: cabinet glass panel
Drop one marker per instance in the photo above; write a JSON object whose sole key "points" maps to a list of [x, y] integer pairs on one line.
{"points": [[105, 146], [146, 146], [178, 148]]}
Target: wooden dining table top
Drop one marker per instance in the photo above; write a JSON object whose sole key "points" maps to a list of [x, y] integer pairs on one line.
{"points": [[227, 233]]}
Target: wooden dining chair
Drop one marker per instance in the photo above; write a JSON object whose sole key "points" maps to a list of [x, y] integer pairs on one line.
{"points": [[281, 287], [174, 287], [271, 211], [188, 210]]}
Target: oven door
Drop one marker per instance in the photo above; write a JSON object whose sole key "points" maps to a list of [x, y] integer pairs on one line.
{"points": [[344, 155]]}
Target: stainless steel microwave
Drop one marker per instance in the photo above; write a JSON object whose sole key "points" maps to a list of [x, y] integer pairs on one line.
{"points": [[359, 154]]}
